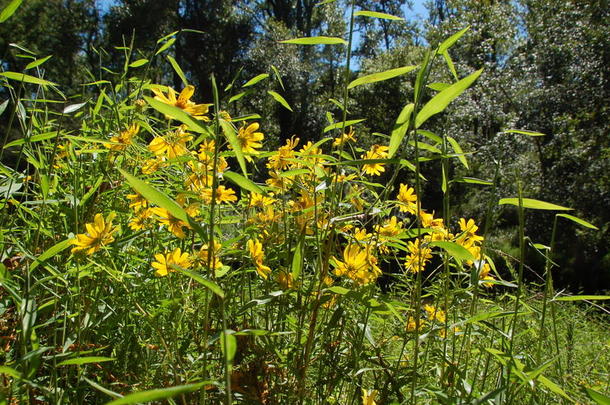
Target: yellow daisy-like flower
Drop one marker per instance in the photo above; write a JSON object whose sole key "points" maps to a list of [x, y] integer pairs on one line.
{"points": [[435, 313], [223, 194], [205, 259], [407, 199], [172, 145], [137, 201], [164, 262], [358, 264], [376, 152], [121, 141], [152, 165], [99, 233], [419, 256], [140, 220], [390, 227], [183, 102], [345, 137], [368, 397], [249, 139], [469, 229], [260, 200], [258, 255], [484, 275], [280, 160], [174, 224]]}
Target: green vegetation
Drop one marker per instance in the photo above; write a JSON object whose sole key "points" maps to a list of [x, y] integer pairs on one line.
{"points": [[259, 222]]}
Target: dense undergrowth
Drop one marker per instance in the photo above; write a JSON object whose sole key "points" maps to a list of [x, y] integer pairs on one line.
{"points": [[155, 249]]}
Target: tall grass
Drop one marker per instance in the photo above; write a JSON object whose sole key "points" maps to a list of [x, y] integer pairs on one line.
{"points": [[153, 249]]}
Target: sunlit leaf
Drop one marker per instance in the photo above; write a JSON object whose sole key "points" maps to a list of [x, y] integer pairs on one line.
{"points": [[157, 394], [138, 63], [441, 100], [85, 360], [177, 69], [37, 62], [523, 132], [342, 125], [256, 79], [533, 204], [448, 43], [210, 285], [22, 77], [322, 40], [9, 10], [579, 221], [459, 252], [243, 182], [583, 298], [229, 131], [377, 77], [279, 99], [375, 14]]}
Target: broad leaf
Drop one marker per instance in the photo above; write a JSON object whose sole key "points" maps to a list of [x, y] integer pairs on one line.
{"points": [[523, 132], [440, 101], [210, 285], [533, 204], [138, 63], [256, 79], [243, 182], [231, 136], [578, 221], [177, 69], [448, 43], [342, 125], [385, 75], [9, 10], [322, 40], [375, 14], [22, 77], [157, 394], [459, 252], [85, 360], [177, 114], [279, 99]]}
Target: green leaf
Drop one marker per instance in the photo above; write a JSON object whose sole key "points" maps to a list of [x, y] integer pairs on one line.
{"points": [[523, 132], [341, 125], [237, 96], [166, 45], [10, 372], [438, 86], [278, 76], [377, 77], [578, 221], [210, 285], [138, 63], [450, 64], [157, 394], [553, 387], [256, 79], [598, 397], [338, 290], [74, 107], [228, 346], [177, 114], [375, 14], [231, 136], [38, 62], [472, 180], [322, 40], [22, 77], [533, 204], [50, 252], [177, 69], [85, 360], [448, 43], [279, 99], [3, 106], [34, 138], [459, 252], [102, 389], [458, 149], [157, 197], [583, 298], [441, 100], [243, 182], [9, 10], [297, 260]]}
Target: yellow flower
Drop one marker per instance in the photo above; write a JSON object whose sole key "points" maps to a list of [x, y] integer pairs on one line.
{"points": [[152, 165], [174, 224], [258, 255], [345, 137], [484, 275], [99, 233], [164, 262], [412, 325], [285, 280], [249, 139], [121, 141], [358, 264], [137, 201], [391, 227], [469, 229], [205, 251], [419, 256], [140, 220], [280, 160], [376, 152], [260, 200], [435, 313], [183, 102], [171, 146], [368, 397], [407, 199], [223, 194]]}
